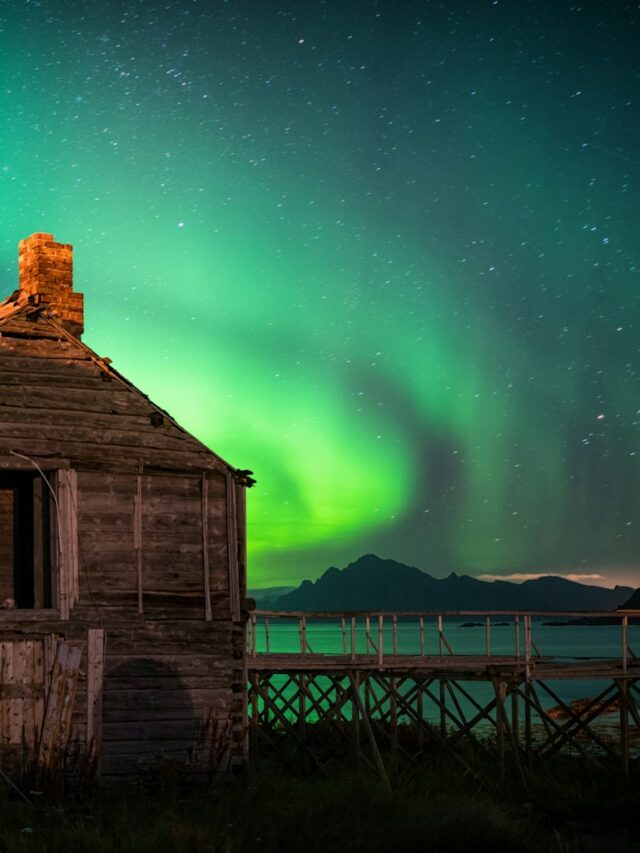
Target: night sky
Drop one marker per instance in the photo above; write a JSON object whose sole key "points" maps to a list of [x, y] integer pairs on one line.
{"points": [[384, 254]]}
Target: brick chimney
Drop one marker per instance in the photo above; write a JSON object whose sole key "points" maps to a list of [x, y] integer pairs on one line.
{"points": [[46, 273]]}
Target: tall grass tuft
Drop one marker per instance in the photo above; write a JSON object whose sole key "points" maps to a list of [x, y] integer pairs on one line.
{"points": [[567, 808]]}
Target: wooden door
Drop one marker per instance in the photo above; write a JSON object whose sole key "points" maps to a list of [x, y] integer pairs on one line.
{"points": [[38, 680], [24, 666]]}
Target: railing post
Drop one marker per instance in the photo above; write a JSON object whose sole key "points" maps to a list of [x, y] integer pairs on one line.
{"points": [[487, 635], [266, 635], [527, 684], [343, 626], [625, 642], [517, 624], [395, 634], [532, 642], [422, 636], [380, 638], [441, 682], [303, 634], [353, 638], [367, 632]]}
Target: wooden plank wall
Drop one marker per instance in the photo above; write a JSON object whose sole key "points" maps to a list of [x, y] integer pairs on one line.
{"points": [[172, 539], [167, 705], [184, 706], [173, 685], [153, 532], [154, 542], [107, 556], [59, 401], [173, 682]]}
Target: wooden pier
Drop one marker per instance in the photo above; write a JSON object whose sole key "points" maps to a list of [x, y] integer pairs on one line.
{"points": [[390, 686]]}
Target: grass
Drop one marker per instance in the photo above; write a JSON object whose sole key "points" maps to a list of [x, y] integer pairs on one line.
{"points": [[567, 809]]}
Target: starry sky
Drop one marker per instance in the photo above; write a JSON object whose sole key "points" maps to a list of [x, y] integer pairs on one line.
{"points": [[385, 254]]}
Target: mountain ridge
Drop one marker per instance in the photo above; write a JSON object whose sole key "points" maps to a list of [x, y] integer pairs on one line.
{"points": [[374, 583], [633, 603]]}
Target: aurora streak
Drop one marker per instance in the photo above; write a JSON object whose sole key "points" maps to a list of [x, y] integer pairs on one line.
{"points": [[383, 254]]}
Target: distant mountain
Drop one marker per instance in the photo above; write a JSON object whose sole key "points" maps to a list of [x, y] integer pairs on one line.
{"points": [[633, 603], [266, 597], [371, 583]]}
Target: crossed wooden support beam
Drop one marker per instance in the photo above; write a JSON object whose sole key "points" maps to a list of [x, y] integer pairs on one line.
{"points": [[367, 708]]}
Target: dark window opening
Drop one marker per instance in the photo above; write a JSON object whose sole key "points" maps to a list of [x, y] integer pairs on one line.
{"points": [[25, 541]]}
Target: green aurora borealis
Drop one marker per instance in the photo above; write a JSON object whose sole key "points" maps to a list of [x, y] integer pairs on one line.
{"points": [[383, 254]]}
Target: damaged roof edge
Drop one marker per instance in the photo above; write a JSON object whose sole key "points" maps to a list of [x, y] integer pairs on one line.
{"points": [[16, 304]]}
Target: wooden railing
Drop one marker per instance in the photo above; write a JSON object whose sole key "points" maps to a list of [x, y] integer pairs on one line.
{"points": [[378, 632]]}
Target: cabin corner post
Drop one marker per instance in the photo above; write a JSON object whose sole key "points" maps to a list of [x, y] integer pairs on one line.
{"points": [[241, 526], [137, 537], [232, 547], [208, 615]]}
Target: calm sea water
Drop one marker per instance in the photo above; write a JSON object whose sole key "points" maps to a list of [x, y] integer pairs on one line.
{"points": [[570, 642]]}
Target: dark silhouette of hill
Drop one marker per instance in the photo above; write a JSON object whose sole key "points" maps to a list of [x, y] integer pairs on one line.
{"points": [[632, 603], [265, 597], [371, 583]]}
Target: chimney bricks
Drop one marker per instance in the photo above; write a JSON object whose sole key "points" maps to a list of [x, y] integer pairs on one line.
{"points": [[46, 272]]}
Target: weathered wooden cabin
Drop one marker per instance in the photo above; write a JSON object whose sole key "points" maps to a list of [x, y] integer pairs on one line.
{"points": [[122, 555]]}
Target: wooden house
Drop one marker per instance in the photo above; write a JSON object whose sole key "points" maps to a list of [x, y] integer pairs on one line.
{"points": [[122, 555]]}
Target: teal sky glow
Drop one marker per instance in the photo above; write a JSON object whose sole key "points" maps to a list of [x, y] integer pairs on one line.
{"points": [[383, 254]]}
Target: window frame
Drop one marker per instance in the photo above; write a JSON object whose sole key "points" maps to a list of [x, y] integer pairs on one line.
{"points": [[61, 485]]}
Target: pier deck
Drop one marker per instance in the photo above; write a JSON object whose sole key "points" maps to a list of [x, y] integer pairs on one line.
{"points": [[470, 667], [513, 702]]}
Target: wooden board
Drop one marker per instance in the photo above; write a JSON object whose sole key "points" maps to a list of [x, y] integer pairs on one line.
{"points": [[61, 691], [22, 693]]}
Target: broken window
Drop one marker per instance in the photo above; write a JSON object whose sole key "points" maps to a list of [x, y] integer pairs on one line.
{"points": [[25, 541]]}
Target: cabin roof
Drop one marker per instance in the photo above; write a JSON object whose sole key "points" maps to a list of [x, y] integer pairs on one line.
{"points": [[61, 401]]}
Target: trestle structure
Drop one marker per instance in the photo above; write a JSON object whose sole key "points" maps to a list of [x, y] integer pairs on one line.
{"points": [[389, 687]]}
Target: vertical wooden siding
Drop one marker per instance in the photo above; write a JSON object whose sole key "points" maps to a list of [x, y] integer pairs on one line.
{"points": [[22, 690]]}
